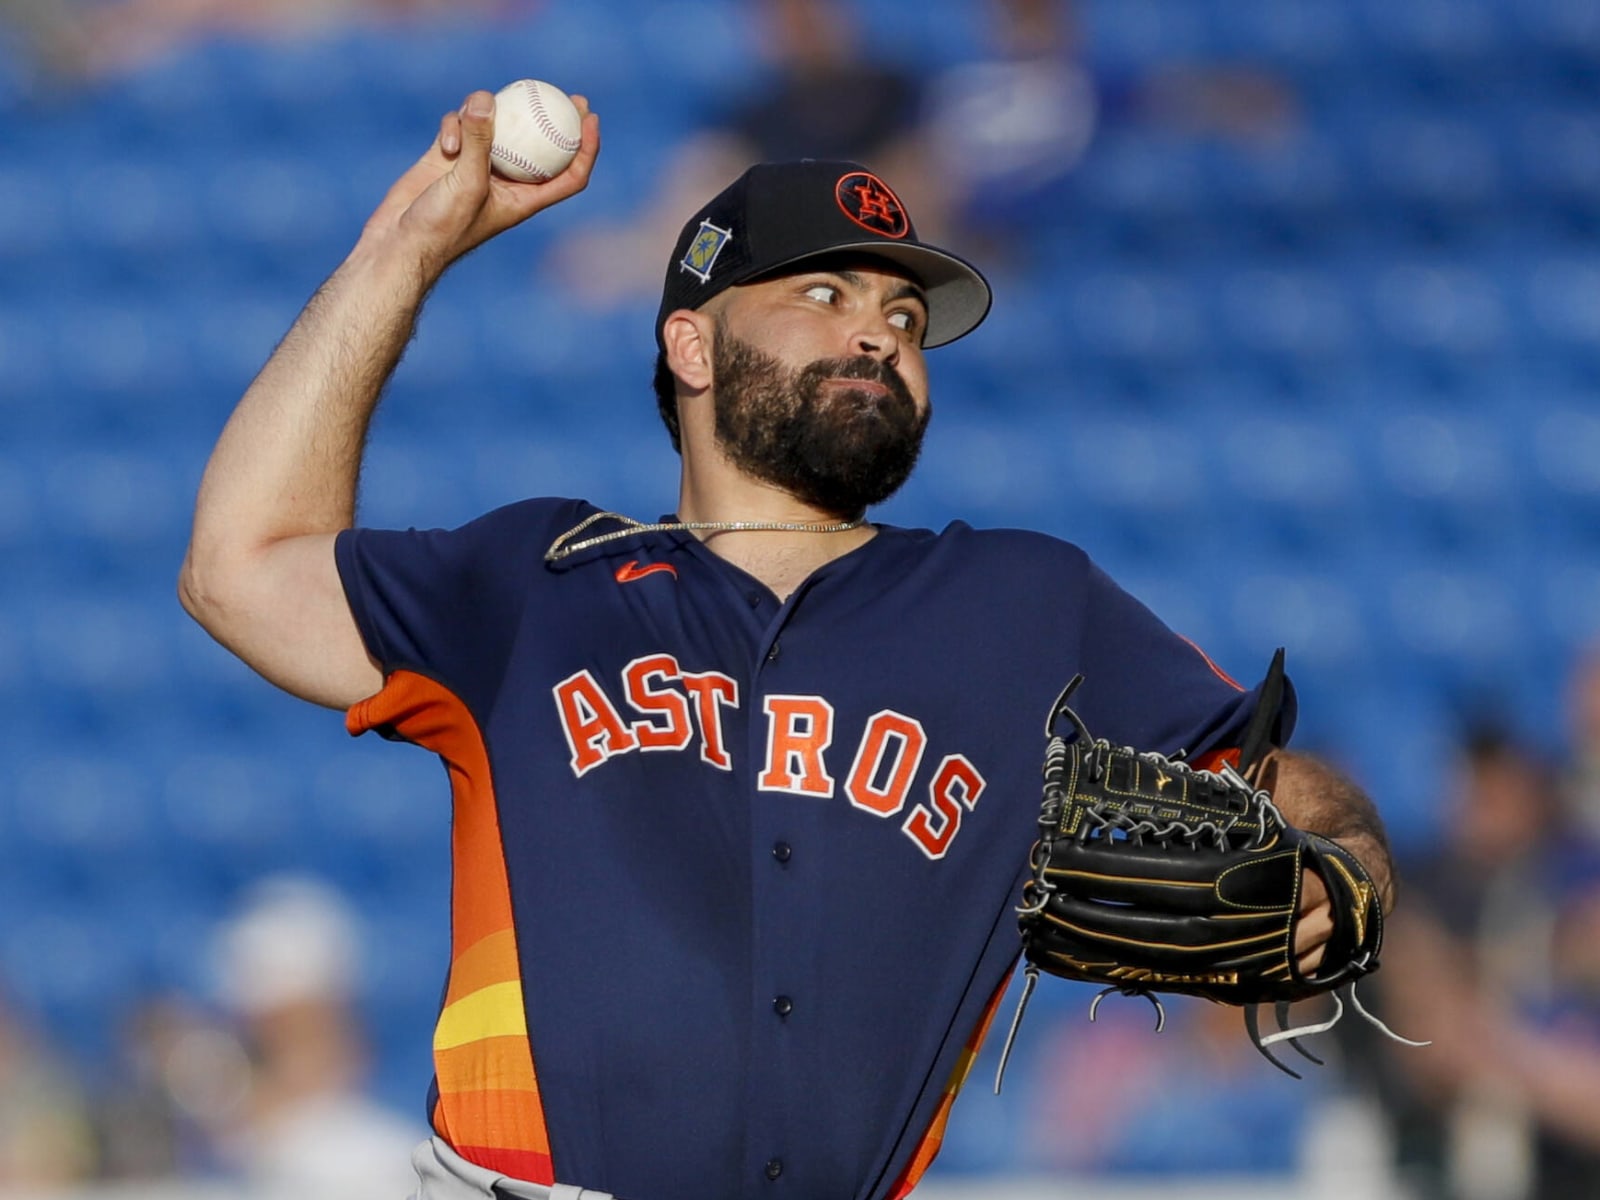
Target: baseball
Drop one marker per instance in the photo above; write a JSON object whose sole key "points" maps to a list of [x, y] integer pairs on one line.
{"points": [[536, 131]]}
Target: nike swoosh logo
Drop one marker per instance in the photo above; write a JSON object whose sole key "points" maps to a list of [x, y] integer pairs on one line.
{"points": [[631, 570]]}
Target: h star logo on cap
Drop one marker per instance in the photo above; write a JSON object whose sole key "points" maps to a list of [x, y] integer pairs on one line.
{"points": [[872, 204]]}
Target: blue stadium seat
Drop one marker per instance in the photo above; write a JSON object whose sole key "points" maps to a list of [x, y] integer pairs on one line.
{"points": [[1137, 32], [1463, 623], [1563, 308], [1444, 478], [1286, 312], [1299, 185], [1554, 443], [68, 961], [1553, 151], [1299, 35], [1155, 184], [87, 806], [698, 55], [1439, 164], [1409, 788], [1316, 615], [1563, 32], [380, 816], [1431, 32], [231, 812], [1141, 315], [1429, 306]]}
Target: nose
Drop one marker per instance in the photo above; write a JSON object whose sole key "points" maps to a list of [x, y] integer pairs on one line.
{"points": [[876, 338]]}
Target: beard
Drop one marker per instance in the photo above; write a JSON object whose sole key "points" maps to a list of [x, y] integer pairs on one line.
{"points": [[835, 448]]}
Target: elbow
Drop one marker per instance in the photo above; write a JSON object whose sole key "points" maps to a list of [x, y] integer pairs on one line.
{"points": [[200, 592], [191, 589]]}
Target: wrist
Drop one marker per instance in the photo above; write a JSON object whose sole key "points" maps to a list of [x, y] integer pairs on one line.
{"points": [[391, 258]]}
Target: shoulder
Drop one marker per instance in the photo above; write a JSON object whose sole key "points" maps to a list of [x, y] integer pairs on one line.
{"points": [[521, 525], [1020, 550], [506, 544], [552, 515]]}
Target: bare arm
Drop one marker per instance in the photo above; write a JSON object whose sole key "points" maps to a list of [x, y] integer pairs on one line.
{"points": [[1313, 795], [281, 482]]}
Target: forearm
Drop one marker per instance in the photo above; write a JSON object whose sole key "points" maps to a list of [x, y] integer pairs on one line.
{"points": [[1314, 796], [260, 574], [289, 458]]}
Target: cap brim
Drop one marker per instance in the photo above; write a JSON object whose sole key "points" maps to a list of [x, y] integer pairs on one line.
{"points": [[958, 295]]}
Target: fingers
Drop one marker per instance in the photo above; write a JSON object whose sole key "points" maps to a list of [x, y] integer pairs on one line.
{"points": [[477, 136], [450, 134], [1315, 926], [576, 176], [1311, 938], [1313, 892]]}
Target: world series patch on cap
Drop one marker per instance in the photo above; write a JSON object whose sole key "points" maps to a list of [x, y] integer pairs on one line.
{"points": [[776, 216]]}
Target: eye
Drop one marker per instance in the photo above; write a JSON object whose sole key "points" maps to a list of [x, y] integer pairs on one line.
{"points": [[825, 292], [905, 321]]}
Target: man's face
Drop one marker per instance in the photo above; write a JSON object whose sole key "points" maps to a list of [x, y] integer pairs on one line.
{"points": [[820, 386]]}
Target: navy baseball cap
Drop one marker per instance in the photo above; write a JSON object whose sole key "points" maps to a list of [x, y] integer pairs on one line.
{"points": [[777, 215]]}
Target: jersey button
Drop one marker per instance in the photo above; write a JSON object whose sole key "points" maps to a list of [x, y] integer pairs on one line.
{"points": [[774, 1167], [782, 1005], [781, 851], [772, 654]]}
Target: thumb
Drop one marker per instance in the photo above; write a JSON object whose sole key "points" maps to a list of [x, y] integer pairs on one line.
{"points": [[477, 136]]}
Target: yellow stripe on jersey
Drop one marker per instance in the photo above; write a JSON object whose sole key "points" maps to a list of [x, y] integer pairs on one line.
{"points": [[494, 1011]]}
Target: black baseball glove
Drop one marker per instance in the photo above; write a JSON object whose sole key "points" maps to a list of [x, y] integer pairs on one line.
{"points": [[1152, 876]]}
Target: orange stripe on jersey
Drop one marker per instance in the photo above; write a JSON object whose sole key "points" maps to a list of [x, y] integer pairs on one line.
{"points": [[493, 960], [928, 1149], [468, 1069], [1214, 760], [501, 1118], [519, 1164], [489, 1107], [1215, 670]]}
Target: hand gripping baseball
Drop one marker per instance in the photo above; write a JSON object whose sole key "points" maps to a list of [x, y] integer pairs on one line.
{"points": [[450, 202], [1151, 875]]}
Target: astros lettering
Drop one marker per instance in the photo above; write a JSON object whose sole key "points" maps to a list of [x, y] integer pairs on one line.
{"points": [[677, 708]]}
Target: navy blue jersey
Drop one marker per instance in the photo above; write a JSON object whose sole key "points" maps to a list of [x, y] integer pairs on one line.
{"points": [[733, 880]]}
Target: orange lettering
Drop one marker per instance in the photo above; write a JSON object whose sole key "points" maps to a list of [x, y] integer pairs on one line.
{"points": [[676, 732], [900, 740], [877, 205], [593, 729], [933, 830], [799, 729], [712, 692]]}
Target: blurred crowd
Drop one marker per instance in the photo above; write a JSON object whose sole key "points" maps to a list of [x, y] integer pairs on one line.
{"points": [[977, 151], [82, 40], [1495, 956], [260, 1082], [1494, 953]]}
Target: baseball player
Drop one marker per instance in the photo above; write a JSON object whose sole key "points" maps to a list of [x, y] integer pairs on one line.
{"points": [[743, 796]]}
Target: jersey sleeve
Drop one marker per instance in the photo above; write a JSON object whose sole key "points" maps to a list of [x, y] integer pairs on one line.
{"points": [[1149, 687], [446, 603]]}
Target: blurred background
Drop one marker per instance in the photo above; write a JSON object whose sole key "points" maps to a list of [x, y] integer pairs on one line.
{"points": [[1297, 331]]}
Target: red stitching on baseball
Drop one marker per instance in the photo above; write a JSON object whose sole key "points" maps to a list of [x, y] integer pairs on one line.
{"points": [[546, 125], [540, 175]]}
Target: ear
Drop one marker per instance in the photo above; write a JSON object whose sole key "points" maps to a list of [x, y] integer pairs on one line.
{"points": [[686, 337]]}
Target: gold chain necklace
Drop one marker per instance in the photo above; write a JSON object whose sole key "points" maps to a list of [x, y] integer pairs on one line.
{"points": [[564, 545]]}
